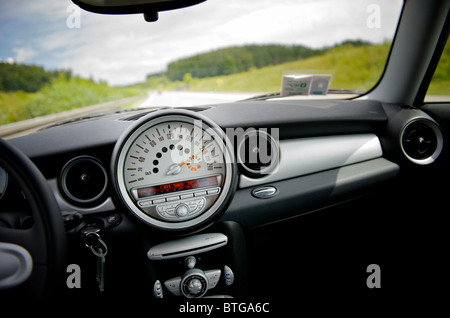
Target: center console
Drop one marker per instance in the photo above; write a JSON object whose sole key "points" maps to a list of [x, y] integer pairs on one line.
{"points": [[209, 264]]}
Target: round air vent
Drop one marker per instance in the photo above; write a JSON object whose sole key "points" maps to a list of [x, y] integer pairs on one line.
{"points": [[258, 153], [421, 141], [83, 180]]}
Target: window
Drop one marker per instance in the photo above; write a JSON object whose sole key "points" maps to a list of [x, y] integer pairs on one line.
{"points": [[439, 89], [66, 58]]}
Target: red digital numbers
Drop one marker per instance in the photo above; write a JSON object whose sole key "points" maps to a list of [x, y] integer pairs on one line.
{"points": [[146, 192], [177, 186]]}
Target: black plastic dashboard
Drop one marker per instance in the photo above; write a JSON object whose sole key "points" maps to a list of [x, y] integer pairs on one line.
{"points": [[344, 160], [293, 118], [366, 129]]}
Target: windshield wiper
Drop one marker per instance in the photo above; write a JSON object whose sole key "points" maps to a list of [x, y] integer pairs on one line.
{"points": [[330, 91]]}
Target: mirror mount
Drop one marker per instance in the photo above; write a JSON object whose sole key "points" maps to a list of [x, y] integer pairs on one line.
{"points": [[151, 16], [149, 8]]}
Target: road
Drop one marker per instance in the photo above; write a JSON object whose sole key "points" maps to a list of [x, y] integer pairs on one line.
{"points": [[185, 99]]}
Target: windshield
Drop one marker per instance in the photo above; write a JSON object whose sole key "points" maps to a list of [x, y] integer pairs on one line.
{"points": [[56, 57]]}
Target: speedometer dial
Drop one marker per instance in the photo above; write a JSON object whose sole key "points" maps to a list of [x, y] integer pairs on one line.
{"points": [[175, 170]]}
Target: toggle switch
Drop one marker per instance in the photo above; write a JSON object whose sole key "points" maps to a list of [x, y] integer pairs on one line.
{"points": [[229, 275], [190, 261]]}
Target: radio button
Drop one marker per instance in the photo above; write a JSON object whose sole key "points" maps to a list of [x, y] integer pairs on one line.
{"points": [[213, 191], [156, 201], [213, 277], [161, 208], [164, 214], [199, 194], [145, 203], [173, 198], [182, 210], [171, 211], [186, 196]]}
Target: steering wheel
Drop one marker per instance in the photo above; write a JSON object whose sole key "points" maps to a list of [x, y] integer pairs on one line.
{"points": [[32, 260]]}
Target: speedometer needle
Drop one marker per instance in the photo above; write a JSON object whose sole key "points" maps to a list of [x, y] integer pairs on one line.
{"points": [[174, 169], [194, 156]]}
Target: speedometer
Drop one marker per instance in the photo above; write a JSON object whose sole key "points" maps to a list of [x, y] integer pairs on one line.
{"points": [[174, 169]]}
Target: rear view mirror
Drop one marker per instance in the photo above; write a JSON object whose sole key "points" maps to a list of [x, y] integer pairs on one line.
{"points": [[149, 8]]}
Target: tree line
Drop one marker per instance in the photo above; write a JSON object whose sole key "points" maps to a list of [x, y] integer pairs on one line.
{"points": [[238, 59], [235, 60], [27, 78]]}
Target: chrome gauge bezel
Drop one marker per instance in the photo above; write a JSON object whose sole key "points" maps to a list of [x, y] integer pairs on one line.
{"points": [[126, 142], [439, 140]]}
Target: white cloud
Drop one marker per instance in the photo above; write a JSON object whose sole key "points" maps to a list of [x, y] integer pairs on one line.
{"points": [[23, 54], [26, 10]]}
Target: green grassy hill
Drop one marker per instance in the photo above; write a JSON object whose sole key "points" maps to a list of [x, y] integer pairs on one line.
{"points": [[356, 67], [352, 67], [60, 94]]}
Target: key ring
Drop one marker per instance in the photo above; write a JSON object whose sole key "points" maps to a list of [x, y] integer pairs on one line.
{"points": [[100, 241], [96, 236], [100, 254]]}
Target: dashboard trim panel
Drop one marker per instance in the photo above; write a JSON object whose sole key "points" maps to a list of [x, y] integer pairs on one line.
{"points": [[303, 156], [304, 194]]}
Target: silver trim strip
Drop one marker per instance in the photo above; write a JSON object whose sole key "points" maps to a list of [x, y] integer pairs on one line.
{"points": [[187, 246], [16, 265], [303, 156]]}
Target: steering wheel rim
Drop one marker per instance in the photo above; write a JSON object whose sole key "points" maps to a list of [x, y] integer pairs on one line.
{"points": [[45, 240]]}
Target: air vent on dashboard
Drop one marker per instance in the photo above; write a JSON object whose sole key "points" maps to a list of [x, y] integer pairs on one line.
{"points": [[134, 117], [83, 180], [421, 141], [258, 153], [139, 115]]}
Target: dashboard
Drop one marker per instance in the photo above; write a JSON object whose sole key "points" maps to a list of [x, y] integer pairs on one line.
{"points": [[210, 201], [194, 187], [178, 169]]}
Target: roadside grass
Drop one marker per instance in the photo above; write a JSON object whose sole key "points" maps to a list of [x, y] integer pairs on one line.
{"points": [[11, 106], [440, 84], [60, 95]]}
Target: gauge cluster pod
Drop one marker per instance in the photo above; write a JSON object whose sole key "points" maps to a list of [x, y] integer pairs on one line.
{"points": [[174, 170]]}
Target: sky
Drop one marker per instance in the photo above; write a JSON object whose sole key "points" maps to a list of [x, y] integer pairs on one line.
{"points": [[123, 49]]}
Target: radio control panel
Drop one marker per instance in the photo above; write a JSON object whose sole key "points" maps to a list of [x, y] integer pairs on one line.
{"points": [[179, 207]]}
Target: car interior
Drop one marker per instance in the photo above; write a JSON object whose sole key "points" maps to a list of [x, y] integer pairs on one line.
{"points": [[267, 198]]}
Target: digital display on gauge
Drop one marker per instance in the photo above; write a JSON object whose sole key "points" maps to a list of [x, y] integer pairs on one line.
{"points": [[177, 186]]}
